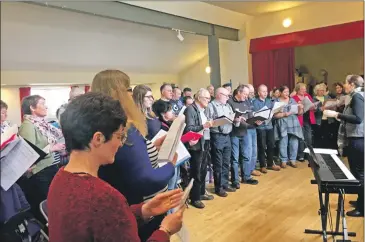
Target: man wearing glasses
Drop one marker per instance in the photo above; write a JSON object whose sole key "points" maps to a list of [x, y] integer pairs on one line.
{"points": [[220, 142]]}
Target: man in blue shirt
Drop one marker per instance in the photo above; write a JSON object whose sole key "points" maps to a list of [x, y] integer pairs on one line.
{"points": [[265, 133]]}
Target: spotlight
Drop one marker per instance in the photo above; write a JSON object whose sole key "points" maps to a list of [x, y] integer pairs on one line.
{"points": [[179, 36], [287, 22], [207, 69]]}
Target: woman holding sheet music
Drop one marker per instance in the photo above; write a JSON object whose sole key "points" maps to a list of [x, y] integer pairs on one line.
{"points": [[306, 120], [325, 128], [39, 132], [287, 129], [132, 173]]}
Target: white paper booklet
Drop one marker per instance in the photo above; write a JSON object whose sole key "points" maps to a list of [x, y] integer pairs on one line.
{"points": [[263, 112], [182, 110], [294, 109], [224, 120], [16, 162], [307, 104], [182, 153]]}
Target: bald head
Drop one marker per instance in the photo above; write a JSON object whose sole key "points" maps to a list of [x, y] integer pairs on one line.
{"points": [[252, 91], [262, 91]]}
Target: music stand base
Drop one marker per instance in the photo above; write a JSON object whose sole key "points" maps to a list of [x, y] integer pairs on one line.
{"points": [[311, 231]]}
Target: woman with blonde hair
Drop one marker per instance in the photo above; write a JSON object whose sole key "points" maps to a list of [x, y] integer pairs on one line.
{"points": [[323, 137], [132, 172], [306, 120]]}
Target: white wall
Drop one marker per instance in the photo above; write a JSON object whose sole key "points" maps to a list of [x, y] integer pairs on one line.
{"points": [[234, 61], [308, 16], [28, 78], [10, 95], [195, 76], [233, 65]]}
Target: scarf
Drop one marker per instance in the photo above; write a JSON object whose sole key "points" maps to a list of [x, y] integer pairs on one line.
{"points": [[342, 140], [47, 130]]}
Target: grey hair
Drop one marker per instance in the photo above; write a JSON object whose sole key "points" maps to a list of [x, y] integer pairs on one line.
{"points": [[200, 93], [319, 87]]}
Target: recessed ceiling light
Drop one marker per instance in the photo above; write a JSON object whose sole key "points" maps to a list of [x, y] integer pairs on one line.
{"points": [[286, 22]]}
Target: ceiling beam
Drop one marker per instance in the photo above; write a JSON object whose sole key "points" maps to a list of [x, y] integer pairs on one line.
{"points": [[135, 14]]}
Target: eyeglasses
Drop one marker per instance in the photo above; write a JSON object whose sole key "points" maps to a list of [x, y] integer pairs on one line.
{"points": [[224, 95], [206, 98], [123, 138], [149, 97]]}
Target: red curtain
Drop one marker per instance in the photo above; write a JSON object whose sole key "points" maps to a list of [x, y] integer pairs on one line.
{"points": [[334, 33], [273, 68], [87, 88], [23, 92]]}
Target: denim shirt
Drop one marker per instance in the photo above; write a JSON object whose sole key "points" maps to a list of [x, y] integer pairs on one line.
{"points": [[257, 105]]}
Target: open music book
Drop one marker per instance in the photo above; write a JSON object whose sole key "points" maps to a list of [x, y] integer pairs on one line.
{"points": [[223, 120], [182, 153], [172, 140]]}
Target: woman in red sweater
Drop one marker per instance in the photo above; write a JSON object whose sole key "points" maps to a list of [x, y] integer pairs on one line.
{"points": [[306, 120], [82, 207]]}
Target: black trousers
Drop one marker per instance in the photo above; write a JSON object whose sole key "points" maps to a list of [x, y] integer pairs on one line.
{"points": [[221, 158], [198, 171], [265, 145], [356, 162], [36, 189], [307, 133]]}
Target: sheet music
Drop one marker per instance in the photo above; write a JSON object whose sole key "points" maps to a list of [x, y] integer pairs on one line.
{"points": [[307, 104], [263, 112], [278, 107], [294, 109], [182, 153], [224, 120], [185, 196], [8, 133], [183, 234], [16, 163], [182, 110], [9, 147]]}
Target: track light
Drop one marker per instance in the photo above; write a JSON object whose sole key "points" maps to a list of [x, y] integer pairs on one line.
{"points": [[179, 36]]}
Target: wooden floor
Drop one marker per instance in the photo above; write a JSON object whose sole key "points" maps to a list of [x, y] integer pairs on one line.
{"points": [[279, 208]]}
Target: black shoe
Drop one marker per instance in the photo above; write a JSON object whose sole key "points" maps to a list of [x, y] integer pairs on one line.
{"points": [[222, 193], [236, 186], [353, 203], [251, 181], [229, 189], [198, 204], [206, 197], [354, 213], [301, 159]]}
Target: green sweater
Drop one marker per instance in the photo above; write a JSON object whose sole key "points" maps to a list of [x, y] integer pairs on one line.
{"points": [[31, 133]]}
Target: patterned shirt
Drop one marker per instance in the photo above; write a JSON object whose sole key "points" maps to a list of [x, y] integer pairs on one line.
{"points": [[215, 110]]}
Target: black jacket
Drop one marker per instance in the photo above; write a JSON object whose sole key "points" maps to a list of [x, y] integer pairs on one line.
{"points": [[194, 123], [241, 106]]}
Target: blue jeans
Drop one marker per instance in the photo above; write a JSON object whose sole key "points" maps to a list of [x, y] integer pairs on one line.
{"points": [[249, 152], [173, 181], [237, 160], [289, 142]]}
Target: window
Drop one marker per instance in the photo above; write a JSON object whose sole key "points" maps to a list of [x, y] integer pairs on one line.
{"points": [[54, 96]]}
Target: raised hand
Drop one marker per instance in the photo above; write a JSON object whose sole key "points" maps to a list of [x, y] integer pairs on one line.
{"points": [[162, 203]]}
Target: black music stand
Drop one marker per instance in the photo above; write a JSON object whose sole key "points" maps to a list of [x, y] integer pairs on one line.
{"points": [[323, 211]]}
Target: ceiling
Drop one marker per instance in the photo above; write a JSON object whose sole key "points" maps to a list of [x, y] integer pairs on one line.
{"points": [[41, 39], [255, 7]]}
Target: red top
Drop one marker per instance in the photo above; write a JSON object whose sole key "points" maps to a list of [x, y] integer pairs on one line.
{"points": [[85, 208], [312, 118]]}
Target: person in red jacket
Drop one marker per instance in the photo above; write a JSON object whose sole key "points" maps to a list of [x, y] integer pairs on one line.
{"points": [[82, 207], [306, 120]]}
